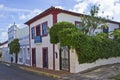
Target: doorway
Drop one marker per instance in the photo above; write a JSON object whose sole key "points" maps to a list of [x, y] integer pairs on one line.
{"points": [[33, 57], [64, 59], [45, 57]]}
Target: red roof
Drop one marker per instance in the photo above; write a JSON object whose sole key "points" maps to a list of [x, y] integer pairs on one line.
{"points": [[52, 10]]}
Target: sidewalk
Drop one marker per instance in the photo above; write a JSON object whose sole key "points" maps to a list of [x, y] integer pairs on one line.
{"points": [[46, 72], [105, 72]]}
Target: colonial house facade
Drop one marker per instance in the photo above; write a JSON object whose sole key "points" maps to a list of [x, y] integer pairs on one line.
{"points": [[23, 36], [52, 56]]}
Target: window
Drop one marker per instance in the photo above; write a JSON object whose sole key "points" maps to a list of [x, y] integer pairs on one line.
{"points": [[38, 30], [105, 30], [33, 32], [44, 29], [78, 25]]}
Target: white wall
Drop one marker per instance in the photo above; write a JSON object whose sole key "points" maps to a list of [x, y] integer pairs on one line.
{"points": [[75, 67], [45, 43], [57, 60], [68, 18]]}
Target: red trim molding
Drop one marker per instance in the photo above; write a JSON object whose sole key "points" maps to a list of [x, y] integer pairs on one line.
{"points": [[54, 13], [77, 22], [54, 10], [30, 49], [42, 29]]}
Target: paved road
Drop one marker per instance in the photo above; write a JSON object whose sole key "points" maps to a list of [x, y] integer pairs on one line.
{"points": [[11, 72]]}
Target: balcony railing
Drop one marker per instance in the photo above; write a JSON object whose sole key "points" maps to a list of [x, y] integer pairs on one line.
{"points": [[38, 39]]}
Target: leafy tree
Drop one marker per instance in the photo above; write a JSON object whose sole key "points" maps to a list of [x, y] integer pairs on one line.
{"points": [[14, 47], [55, 30], [102, 35], [92, 21], [116, 34]]}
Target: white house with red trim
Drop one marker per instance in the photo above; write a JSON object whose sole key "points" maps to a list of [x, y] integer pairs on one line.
{"points": [[52, 56]]}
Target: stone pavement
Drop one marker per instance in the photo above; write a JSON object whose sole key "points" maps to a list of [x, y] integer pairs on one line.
{"points": [[105, 72]]}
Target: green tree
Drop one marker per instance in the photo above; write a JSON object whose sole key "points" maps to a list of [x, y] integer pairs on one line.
{"points": [[14, 47], [116, 34], [57, 28], [92, 21]]}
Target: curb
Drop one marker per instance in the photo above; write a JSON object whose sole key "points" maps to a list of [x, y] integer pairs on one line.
{"points": [[40, 72]]}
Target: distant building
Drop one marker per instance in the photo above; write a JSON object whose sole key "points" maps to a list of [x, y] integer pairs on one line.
{"points": [[4, 50], [23, 36], [24, 54], [12, 32], [53, 56]]}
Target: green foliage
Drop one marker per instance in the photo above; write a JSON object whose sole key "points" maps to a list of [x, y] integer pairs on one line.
{"points": [[116, 77], [88, 48], [92, 48], [102, 35], [116, 34], [55, 30], [14, 47]]}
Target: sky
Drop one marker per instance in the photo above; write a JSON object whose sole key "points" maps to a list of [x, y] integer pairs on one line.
{"points": [[20, 11]]}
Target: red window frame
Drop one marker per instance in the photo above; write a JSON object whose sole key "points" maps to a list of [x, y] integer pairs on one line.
{"points": [[43, 28], [38, 31]]}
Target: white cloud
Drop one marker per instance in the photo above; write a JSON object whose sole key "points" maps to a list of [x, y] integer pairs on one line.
{"points": [[1, 6], [111, 8], [22, 17], [4, 8], [4, 36], [59, 7], [80, 7], [30, 14]]}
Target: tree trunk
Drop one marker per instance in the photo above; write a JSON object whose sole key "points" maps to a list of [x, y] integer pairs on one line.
{"points": [[16, 58]]}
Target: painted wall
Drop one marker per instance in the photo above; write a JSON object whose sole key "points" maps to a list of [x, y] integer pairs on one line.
{"points": [[45, 43], [75, 67], [68, 18], [111, 27], [24, 54], [5, 54], [57, 57]]}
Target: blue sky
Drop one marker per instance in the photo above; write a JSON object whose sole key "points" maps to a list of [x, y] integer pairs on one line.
{"points": [[19, 11]]}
